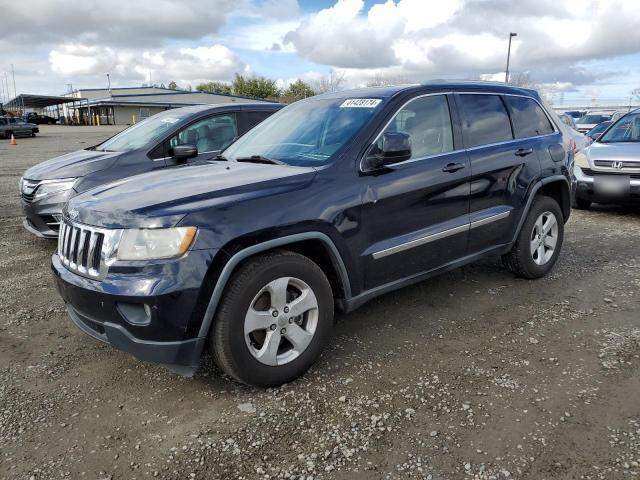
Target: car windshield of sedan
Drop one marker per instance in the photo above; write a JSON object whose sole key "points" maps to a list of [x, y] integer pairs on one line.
{"points": [[142, 134], [592, 119], [627, 129], [306, 133]]}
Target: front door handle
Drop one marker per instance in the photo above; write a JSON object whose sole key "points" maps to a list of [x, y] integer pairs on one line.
{"points": [[523, 152], [453, 167]]}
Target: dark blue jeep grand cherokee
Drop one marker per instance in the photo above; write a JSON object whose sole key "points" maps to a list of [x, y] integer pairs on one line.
{"points": [[328, 203]]}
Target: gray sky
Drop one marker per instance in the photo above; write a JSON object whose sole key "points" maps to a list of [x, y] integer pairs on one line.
{"points": [[581, 50]]}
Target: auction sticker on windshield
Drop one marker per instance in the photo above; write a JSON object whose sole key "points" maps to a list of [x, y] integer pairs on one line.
{"points": [[361, 103]]}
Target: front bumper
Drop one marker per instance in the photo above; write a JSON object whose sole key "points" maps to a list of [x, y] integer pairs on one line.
{"points": [[112, 310], [42, 215], [585, 189]]}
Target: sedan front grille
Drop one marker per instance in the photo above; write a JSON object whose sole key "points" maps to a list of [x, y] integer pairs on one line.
{"points": [[634, 166], [86, 250], [28, 190]]}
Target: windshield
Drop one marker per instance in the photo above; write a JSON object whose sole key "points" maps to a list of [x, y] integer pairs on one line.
{"points": [[306, 133], [601, 127], [627, 129], [143, 133], [591, 119]]}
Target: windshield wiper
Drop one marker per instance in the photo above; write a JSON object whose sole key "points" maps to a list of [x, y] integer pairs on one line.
{"points": [[259, 159]]}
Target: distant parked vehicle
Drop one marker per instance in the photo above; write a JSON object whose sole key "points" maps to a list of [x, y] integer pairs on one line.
{"points": [[596, 131], [17, 127], [174, 137], [608, 171], [575, 114], [618, 114], [568, 120], [591, 119], [40, 119]]}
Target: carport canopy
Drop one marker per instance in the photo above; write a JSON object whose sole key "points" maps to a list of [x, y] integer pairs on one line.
{"points": [[25, 100]]}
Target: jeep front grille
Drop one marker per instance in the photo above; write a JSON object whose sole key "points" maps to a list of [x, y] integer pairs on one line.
{"points": [[86, 250]]}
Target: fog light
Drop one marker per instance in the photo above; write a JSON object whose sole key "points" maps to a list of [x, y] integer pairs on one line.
{"points": [[135, 313]]}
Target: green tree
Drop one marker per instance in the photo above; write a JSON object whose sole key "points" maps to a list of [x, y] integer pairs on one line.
{"points": [[173, 85], [297, 91], [214, 87], [257, 87]]}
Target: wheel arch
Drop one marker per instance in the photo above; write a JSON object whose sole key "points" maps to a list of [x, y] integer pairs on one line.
{"points": [[316, 246], [556, 187]]}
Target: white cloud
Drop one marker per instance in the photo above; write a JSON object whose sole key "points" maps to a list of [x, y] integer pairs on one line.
{"points": [[184, 65], [420, 39]]}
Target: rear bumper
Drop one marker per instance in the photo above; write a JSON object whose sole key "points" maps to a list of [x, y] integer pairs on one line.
{"points": [[585, 190], [148, 311]]}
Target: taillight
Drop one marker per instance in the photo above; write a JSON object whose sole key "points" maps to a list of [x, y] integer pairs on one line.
{"points": [[573, 146]]}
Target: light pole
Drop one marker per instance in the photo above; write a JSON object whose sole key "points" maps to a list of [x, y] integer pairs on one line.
{"points": [[109, 84], [506, 76]]}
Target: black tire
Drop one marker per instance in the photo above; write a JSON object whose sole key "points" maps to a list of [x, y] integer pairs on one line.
{"points": [[581, 203], [33, 133], [520, 259], [227, 339], [8, 134]]}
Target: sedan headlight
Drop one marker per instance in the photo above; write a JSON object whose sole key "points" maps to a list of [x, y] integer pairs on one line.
{"points": [[581, 160], [47, 187], [155, 243]]}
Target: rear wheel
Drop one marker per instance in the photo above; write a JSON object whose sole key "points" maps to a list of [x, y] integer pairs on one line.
{"points": [[273, 320], [539, 242], [8, 134]]}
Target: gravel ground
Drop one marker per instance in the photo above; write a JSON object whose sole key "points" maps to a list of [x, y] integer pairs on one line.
{"points": [[474, 374]]}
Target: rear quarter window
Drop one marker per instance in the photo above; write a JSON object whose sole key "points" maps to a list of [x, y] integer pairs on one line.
{"points": [[484, 119], [529, 120]]}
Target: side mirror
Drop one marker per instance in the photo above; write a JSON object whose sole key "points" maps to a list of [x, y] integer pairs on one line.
{"points": [[184, 152], [395, 147]]}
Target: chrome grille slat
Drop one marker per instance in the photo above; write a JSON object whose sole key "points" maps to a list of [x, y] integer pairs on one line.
{"points": [[87, 250]]}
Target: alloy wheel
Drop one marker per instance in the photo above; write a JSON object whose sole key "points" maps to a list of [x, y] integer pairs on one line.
{"points": [[281, 321], [544, 238]]}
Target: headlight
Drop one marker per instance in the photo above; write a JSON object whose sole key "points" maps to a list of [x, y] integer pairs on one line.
{"points": [[47, 187], [155, 243], [581, 160]]}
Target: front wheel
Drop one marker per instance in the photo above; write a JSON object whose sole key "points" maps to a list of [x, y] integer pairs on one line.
{"points": [[273, 319], [33, 133], [539, 242]]}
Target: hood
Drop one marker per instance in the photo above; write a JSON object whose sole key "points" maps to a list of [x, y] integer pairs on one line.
{"points": [[71, 165], [622, 151], [162, 198]]}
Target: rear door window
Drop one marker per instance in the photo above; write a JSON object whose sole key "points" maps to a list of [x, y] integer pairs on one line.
{"points": [[208, 135], [251, 119], [484, 120], [528, 118]]}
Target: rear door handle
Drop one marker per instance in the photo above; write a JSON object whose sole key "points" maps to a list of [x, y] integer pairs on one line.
{"points": [[523, 152], [453, 167]]}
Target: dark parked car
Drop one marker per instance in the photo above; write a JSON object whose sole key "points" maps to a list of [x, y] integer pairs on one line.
{"points": [[596, 131], [332, 201], [17, 127], [166, 139], [40, 119], [608, 171]]}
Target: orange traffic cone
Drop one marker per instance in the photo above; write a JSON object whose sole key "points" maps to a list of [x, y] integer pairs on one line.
{"points": [[13, 140]]}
